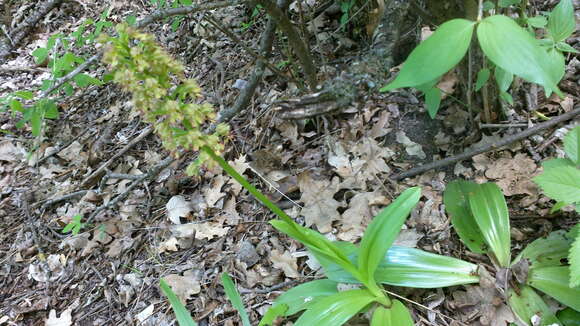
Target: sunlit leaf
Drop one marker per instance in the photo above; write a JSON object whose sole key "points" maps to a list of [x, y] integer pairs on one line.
{"points": [[491, 215], [572, 145], [537, 21], [548, 251], [561, 23], [336, 309], [383, 230], [304, 295], [561, 184], [235, 299], [272, 314], [397, 315], [555, 282], [528, 304], [436, 55], [457, 206], [510, 47], [433, 101]]}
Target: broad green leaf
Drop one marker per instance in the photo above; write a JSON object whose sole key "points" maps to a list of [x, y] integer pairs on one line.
{"points": [[409, 267], [396, 315], [555, 282], [50, 109], [548, 251], [507, 3], [304, 295], [537, 21], [25, 95], [557, 64], [383, 230], [436, 55], [317, 244], [181, 314], [235, 299], [572, 145], [488, 5], [482, 78], [510, 47], [574, 257], [569, 317], [433, 101], [84, 80], [336, 309], [561, 184], [491, 214], [457, 206], [565, 47], [36, 121], [40, 55], [272, 314], [506, 97], [556, 163], [16, 105], [561, 23], [528, 304], [503, 78]]}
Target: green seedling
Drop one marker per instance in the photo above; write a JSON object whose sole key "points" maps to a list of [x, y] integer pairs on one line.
{"points": [[511, 49], [75, 225], [480, 217]]}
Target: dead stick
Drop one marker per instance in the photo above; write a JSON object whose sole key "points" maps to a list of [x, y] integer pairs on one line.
{"points": [[146, 132], [482, 149]]}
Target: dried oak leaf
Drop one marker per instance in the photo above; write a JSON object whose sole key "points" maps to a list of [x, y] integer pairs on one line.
{"points": [[320, 208], [286, 262], [487, 303]]}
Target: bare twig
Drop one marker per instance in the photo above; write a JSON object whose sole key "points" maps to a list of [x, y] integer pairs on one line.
{"points": [[495, 145], [50, 202], [502, 125], [91, 178]]}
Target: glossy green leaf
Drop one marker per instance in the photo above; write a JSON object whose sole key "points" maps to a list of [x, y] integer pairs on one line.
{"points": [[336, 309], [537, 21], [181, 314], [528, 304], [569, 317], [304, 295], [510, 47], [235, 299], [548, 251], [433, 101], [396, 315], [383, 230], [457, 206], [436, 55], [572, 145], [565, 47], [561, 23], [555, 282], [503, 78], [491, 215], [574, 257], [482, 78], [561, 184]]}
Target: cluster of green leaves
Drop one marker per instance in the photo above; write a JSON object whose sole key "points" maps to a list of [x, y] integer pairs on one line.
{"points": [[75, 225], [60, 59], [511, 49], [255, 12], [161, 93], [480, 217], [345, 8]]}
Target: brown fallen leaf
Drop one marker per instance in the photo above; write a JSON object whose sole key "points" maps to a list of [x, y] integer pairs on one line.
{"points": [[320, 208]]}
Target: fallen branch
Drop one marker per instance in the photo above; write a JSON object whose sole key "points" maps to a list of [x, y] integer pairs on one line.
{"points": [[482, 149]]}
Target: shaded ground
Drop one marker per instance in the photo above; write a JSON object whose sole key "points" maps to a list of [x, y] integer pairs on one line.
{"points": [[329, 172]]}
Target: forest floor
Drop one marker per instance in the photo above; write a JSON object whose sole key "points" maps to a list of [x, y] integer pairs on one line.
{"points": [[330, 173]]}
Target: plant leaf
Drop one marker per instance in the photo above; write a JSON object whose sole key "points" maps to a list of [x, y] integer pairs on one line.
{"points": [[569, 317], [503, 78], [561, 184], [513, 49], [383, 230], [235, 299], [556, 163], [546, 252], [336, 309], [574, 257], [410, 267], [433, 101], [304, 295], [491, 214], [482, 78], [555, 282], [561, 23], [456, 205], [397, 315], [537, 21], [565, 47], [436, 55], [557, 64], [181, 314], [572, 145], [528, 303]]}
